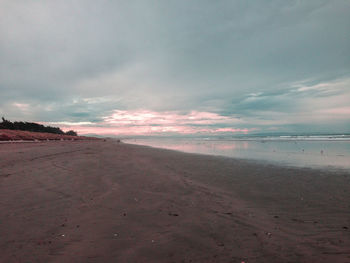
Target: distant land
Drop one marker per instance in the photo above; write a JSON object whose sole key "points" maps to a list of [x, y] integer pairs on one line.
{"points": [[30, 131], [33, 127]]}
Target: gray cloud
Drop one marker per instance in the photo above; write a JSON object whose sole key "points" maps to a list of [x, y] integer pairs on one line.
{"points": [[80, 60]]}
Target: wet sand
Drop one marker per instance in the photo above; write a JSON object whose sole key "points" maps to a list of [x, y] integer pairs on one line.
{"points": [[96, 201]]}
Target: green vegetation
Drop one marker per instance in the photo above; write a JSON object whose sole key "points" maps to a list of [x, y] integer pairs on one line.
{"points": [[32, 127]]}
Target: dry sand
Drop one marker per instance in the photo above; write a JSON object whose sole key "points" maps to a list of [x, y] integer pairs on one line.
{"points": [[97, 201]]}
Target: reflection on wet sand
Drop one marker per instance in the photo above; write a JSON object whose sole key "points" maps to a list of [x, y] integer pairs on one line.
{"points": [[302, 153]]}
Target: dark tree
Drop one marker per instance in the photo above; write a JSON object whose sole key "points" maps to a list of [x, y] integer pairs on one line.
{"points": [[5, 124], [72, 133], [29, 126]]}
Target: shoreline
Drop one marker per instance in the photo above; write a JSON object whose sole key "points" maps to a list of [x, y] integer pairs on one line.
{"points": [[96, 201], [277, 164], [281, 164]]}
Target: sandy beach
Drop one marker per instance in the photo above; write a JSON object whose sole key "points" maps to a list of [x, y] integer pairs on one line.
{"points": [[103, 201]]}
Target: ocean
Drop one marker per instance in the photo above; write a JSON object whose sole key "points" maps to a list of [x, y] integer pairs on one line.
{"points": [[328, 151]]}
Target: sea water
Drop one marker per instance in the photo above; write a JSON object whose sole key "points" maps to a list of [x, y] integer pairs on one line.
{"points": [[332, 152]]}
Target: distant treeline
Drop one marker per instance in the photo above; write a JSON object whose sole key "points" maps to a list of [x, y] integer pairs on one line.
{"points": [[33, 127]]}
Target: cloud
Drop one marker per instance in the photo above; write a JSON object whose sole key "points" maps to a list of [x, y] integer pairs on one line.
{"points": [[271, 62], [142, 117], [323, 104], [145, 122]]}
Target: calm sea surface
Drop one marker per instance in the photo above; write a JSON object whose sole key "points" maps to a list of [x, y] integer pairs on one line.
{"points": [[331, 152]]}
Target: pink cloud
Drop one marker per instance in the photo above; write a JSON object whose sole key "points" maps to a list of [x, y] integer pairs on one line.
{"points": [[144, 117], [144, 122], [337, 111]]}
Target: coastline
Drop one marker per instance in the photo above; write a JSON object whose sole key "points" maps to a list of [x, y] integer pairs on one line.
{"points": [[95, 201], [328, 155]]}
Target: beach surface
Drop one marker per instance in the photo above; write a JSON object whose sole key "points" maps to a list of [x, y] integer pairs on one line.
{"points": [[104, 201]]}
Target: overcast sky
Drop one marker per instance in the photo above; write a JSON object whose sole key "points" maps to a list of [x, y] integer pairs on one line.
{"points": [[177, 66]]}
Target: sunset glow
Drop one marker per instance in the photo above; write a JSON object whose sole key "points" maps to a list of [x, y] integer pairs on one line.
{"points": [[144, 122]]}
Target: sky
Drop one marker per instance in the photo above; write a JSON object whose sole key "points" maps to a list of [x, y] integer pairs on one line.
{"points": [[177, 67]]}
